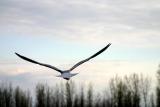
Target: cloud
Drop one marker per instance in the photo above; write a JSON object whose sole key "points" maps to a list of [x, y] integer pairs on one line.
{"points": [[121, 22]]}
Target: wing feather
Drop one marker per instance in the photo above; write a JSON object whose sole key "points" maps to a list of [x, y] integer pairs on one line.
{"points": [[83, 61], [35, 62]]}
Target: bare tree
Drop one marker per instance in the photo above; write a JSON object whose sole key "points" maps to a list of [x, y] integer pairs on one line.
{"points": [[118, 92], [76, 101], [97, 102], [158, 88], [22, 99], [8, 96], [2, 97], [58, 99], [145, 84], [106, 98], [69, 93], [40, 95], [82, 97], [90, 96], [48, 97], [135, 89], [152, 100], [113, 92]]}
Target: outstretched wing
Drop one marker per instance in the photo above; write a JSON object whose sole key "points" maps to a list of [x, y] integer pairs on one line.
{"points": [[46, 65], [83, 61]]}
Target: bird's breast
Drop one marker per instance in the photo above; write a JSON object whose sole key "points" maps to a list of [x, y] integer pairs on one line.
{"points": [[66, 75]]}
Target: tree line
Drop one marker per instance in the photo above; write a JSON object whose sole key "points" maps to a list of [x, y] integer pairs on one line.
{"points": [[130, 91]]}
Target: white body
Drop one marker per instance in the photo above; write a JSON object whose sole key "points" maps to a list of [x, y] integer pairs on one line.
{"points": [[67, 75]]}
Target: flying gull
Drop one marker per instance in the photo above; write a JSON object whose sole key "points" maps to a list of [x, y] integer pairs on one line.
{"points": [[65, 74]]}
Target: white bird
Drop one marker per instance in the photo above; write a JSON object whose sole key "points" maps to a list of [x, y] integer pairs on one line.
{"points": [[65, 74]]}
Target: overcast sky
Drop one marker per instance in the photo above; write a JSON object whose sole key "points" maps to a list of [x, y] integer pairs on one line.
{"points": [[63, 32]]}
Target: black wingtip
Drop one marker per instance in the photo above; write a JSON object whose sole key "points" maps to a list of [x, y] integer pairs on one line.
{"points": [[108, 45], [16, 53]]}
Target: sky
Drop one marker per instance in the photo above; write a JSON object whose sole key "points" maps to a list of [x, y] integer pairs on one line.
{"points": [[61, 33]]}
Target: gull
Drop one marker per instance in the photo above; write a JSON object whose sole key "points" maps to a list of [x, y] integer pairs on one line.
{"points": [[65, 74]]}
